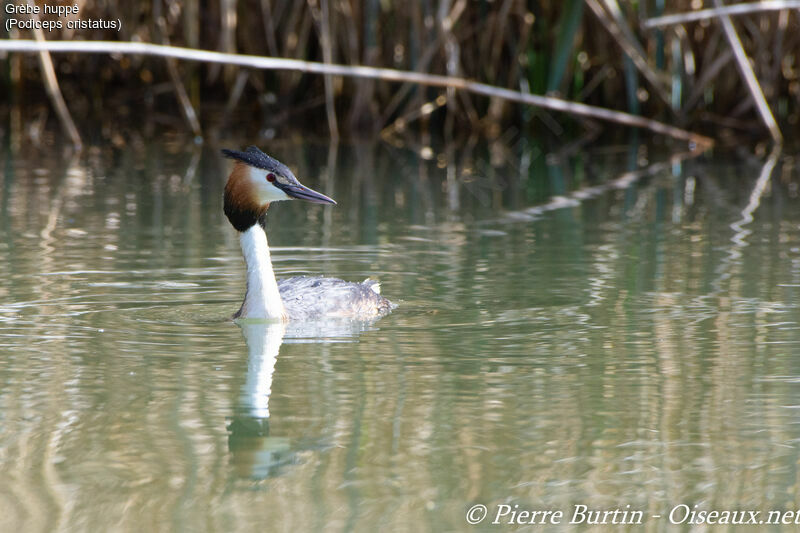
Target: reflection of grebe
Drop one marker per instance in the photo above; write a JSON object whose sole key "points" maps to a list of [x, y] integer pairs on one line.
{"points": [[255, 453], [255, 181]]}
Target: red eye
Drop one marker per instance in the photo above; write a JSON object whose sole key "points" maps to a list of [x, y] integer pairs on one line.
{"points": [[270, 177]]}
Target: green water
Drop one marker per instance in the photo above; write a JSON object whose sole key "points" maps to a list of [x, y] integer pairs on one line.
{"points": [[568, 333]]}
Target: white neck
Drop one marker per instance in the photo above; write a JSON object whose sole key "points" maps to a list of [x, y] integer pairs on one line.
{"points": [[262, 299]]}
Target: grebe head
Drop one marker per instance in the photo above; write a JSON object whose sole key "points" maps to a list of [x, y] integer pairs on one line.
{"points": [[256, 180]]}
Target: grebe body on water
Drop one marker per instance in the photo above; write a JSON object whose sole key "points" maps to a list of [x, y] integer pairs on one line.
{"points": [[256, 181]]}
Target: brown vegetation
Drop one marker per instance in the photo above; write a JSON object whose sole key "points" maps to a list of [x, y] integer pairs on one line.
{"points": [[614, 56]]}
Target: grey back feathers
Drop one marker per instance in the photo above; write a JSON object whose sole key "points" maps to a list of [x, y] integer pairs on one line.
{"points": [[313, 297]]}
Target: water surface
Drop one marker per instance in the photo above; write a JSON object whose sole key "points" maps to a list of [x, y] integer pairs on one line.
{"points": [[611, 328]]}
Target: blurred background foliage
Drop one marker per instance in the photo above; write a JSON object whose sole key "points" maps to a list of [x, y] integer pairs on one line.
{"points": [[599, 52]]}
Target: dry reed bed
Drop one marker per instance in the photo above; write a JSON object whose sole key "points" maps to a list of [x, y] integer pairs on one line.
{"points": [[728, 70]]}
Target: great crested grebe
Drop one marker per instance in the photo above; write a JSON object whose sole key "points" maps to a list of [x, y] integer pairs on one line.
{"points": [[255, 181]]}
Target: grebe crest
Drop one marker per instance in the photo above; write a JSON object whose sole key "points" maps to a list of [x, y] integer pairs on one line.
{"points": [[256, 181]]}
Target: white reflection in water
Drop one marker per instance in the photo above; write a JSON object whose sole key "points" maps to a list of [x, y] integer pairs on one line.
{"points": [[263, 344], [256, 452]]}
